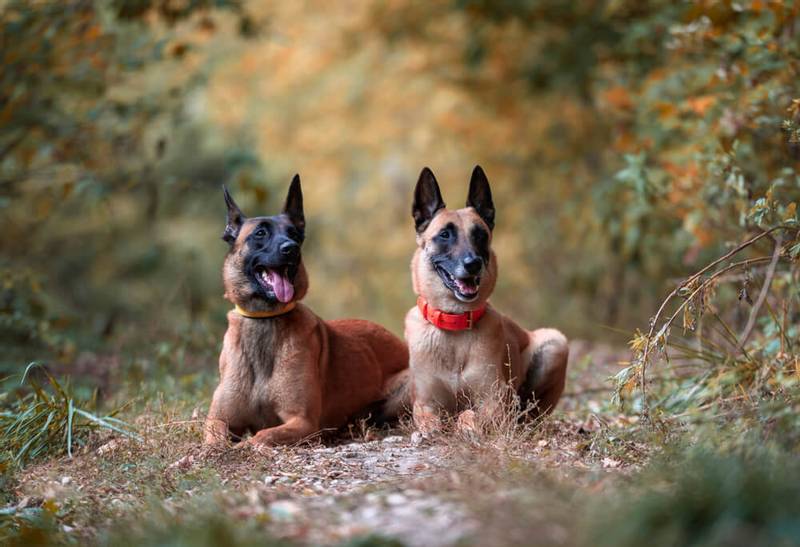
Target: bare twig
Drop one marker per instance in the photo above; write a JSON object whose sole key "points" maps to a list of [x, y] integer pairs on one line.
{"points": [[762, 296], [654, 323]]}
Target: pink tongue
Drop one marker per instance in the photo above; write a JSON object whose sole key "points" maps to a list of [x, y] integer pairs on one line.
{"points": [[466, 288], [284, 290]]}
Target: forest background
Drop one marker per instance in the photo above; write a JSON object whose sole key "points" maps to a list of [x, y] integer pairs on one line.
{"points": [[629, 145]]}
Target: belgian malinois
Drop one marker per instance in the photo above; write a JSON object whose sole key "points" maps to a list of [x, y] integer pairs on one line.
{"points": [[461, 349], [285, 374]]}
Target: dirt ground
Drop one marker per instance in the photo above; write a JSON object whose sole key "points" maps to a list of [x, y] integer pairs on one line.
{"points": [[354, 483]]}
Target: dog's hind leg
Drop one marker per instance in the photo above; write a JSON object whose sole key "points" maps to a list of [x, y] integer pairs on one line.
{"points": [[546, 358], [397, 399]]}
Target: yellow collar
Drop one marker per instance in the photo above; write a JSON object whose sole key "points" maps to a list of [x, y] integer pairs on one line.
{"points": [[264, 314]]}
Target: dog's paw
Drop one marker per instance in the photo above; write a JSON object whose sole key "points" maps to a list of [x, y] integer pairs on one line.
{"points": [[256, 445], [467, 424]]}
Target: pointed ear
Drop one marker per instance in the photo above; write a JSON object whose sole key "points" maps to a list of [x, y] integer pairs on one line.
{"points": [[235, 218], [294, 205], [427, 200], [480, 196]]}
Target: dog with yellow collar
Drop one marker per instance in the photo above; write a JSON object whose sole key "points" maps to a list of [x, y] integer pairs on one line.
{"points": [[285, 374], [463, 352]]}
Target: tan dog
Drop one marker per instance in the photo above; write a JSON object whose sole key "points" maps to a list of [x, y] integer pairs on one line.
{"points": [[284, 373], [462, 350]]}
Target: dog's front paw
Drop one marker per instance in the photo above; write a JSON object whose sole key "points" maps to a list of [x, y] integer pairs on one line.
{"points": [[261, 443], [467, 422]]}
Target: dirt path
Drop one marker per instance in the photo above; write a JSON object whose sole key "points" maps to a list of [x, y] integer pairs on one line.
{"points": [[376, 482]]}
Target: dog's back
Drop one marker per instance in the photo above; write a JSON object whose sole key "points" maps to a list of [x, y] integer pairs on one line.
{"points": [[362, 356]]}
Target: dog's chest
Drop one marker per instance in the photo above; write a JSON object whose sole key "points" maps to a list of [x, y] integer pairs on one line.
{"points": [[446, 354], [254, 354]]}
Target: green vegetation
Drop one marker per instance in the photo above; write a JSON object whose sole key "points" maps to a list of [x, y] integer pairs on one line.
{"points": [[645, 161]]}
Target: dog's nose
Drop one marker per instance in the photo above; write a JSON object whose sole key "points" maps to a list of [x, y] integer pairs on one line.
{"points": [[290, 249], [472, 264]]}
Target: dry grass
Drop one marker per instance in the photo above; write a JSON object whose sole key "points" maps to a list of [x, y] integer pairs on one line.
{"points": [[510, 481]]}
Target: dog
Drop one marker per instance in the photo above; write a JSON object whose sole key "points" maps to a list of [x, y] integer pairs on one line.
{"points": [[285, 374], [462, 349]]}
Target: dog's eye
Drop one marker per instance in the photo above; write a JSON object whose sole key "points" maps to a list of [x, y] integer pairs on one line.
{"points": [[444, 234], [261, 232]]}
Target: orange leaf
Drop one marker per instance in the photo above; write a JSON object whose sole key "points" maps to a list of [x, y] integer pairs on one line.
{"points": [[699, 105], [619, 97]]}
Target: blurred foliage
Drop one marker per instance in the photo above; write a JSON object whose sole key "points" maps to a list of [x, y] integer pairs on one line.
{"points": [[745, 497], [95, 109], [717, 154]]}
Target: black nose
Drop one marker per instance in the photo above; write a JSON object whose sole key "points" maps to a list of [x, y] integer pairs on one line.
{"points": [[472, 264], [290, 249]]}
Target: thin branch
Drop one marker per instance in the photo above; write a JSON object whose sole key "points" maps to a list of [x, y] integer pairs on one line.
{"points": [[762, 296]]}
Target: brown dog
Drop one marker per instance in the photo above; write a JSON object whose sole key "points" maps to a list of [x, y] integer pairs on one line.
{"points": [[461, 348], [284, 373]]}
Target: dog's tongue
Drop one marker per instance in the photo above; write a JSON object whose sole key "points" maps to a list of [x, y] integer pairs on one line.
{"points": [[466, 287], [284, 290]]}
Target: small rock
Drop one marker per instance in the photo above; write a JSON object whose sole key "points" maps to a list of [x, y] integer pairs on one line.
{"points": [[393, 439], [183, 464], [65, 480], [396, 499], [109, 447], [284, 510], [609, 462]]}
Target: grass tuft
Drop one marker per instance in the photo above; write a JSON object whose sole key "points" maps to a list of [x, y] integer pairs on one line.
{"points": [[47, 420]]}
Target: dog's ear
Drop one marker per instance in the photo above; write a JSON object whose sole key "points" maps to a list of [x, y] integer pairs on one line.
{"points": [[235, 218], [480, 196], [427, 200], [293, 208]]}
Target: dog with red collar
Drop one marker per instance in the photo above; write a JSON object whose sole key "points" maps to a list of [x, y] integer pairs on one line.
{"points": [[464, 354]]}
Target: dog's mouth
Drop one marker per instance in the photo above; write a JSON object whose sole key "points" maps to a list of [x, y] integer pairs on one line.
{"points": [[276, 282], [464, 288]]}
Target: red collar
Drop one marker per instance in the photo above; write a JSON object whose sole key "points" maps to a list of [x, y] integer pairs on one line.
{"points": [[450, 321]]}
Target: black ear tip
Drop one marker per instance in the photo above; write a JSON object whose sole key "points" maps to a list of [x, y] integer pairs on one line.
{"points": [[294, 186], [427, 174], [228, 197], [427, 178], [478, 172]]}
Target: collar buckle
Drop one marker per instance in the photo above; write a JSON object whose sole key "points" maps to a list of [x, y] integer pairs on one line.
{"points": [[470, 320]]}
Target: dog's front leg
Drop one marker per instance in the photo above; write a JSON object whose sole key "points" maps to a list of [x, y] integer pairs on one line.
{"points": [[216, 431], [292, 431], [216, 426]]}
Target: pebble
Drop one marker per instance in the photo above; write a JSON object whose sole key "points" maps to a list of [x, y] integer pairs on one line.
{"points": [[396, 499], [393, 439], [284, 510]]}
